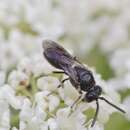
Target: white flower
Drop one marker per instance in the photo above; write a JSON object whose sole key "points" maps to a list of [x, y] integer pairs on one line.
{"points": [[35, 64], [45, 101], [120, 61], [39, 14], [97, 127], [2, 77], [25, 66], [54, 102], [120, 58], [17, 78], [66, 122], [26, 111], [40, 65], [40, 99], [10, 54], [49, 83], [4, 115], [32, 117], [8, 94], [126, 105], [14, 128], [69, 94], [53, 124], [79, 25]]}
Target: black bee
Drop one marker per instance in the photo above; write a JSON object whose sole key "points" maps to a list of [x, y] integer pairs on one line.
{"points": [[80, 77]]}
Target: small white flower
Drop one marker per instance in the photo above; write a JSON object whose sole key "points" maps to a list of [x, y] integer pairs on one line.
{"points": [[14, 128], [4, 115], [69, 94], [47, 101], [17, 78], [53, 124], [32, 116], [54, 102], [8, 94], [2, 77], [40, 99], [40, 65], [49, 83], [25, 66], [66, 122], [23, 51], [97, 127], [126, 105], [26, 111]]}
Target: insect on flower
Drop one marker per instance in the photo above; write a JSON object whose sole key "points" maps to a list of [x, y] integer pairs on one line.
{"points": [[80, 77]]}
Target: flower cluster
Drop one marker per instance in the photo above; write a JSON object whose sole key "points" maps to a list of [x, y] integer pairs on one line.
{"points": [[27, 91], [26, 78]]}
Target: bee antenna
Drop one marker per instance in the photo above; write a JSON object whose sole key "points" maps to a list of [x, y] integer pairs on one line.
{"points": [[96, 113], [121, 110]]}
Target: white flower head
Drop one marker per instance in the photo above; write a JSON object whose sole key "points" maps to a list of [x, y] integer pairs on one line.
{"points": [[126, 106], [14, 128], [7, 93], [24, 24], [2, 77], [25, 66], [26, 111], [53, 124], [4, 115], [49, 83], [32, 116], [45, 101], [97, 126], [68, 93], [66, 122], [17, 78], [40, 65], [54, 102]]}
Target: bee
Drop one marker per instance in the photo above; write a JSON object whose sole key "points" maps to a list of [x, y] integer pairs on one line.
{"points": [[79, 76]]}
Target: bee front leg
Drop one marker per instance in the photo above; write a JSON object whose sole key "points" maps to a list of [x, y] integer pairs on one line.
{"points": [[76, 101], [62, 82], [80, 95]]}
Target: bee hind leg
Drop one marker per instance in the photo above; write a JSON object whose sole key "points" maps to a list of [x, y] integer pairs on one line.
{"points": [[58, 72], [60, 85]]}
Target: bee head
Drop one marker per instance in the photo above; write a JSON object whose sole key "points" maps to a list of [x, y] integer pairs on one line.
{"points": [[93, 94]]}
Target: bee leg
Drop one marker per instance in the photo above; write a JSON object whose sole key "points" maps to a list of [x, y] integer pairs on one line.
{"points": [[96, 114], [54, 72], [62, 82], [75, 58], [61, 85], [76, 101], [58, 72]]}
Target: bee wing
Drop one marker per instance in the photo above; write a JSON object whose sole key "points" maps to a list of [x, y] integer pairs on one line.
{"points": [[61, 59], [71, 72], [57, 55]]}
